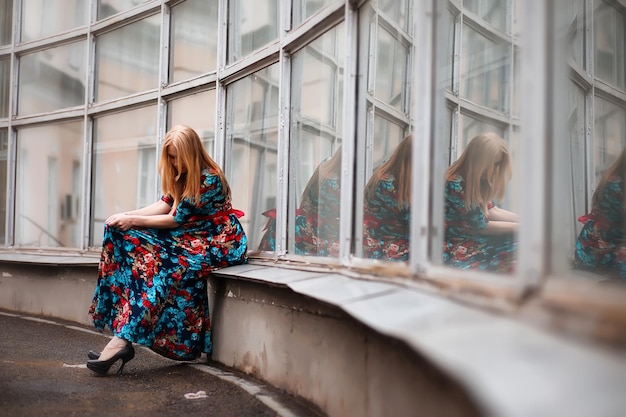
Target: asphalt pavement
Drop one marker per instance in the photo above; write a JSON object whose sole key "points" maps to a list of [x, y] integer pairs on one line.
{"points": [[43, 374]]}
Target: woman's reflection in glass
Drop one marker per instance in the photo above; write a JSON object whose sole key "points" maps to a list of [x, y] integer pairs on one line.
{"points": [[386, 214], [601, 244], [478, 234]]}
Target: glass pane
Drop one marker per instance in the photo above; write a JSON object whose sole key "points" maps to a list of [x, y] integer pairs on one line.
{"points": [[52, 79], [601, 243], [107, 8], [484, 68], [449, 22], [303, 9], [492, 11], [317, 77], [4, 146], [198, 112], [251, 26], [48, 185], [609, 44], [386, 199], [471, 127], [124, 165], [480, 227], [6, 19], [5, 85], [42, 18], [252, 133], [391, 70], [396, 10], [576, 32], [193, 49], [127, 59]]}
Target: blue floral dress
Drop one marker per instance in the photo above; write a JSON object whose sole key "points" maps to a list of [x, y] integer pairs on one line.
{"points": [[601, 244], [464, 246], [385, 224], [152, 287]]}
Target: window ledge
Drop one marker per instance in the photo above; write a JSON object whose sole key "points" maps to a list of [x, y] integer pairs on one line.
{"points": [[509, 366], [42, 257]]}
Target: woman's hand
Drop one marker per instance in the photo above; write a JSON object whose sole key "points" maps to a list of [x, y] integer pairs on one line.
{"points": [[120, 221]]}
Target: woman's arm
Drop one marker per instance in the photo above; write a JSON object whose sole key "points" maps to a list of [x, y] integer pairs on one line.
{"points": [[498, 214], [156, 221], [159, 207], [497, 227]]}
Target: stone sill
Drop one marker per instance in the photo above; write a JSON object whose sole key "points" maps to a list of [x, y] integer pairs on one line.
{"points": [[508, 366]]}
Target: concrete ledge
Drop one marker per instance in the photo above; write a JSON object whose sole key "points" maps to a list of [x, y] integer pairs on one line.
{"points": [[503, 367]]}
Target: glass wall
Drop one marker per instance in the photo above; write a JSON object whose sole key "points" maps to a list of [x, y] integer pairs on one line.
{"points": [[316, 111]]}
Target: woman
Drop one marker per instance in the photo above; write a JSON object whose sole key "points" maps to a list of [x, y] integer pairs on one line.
{"points": [[478, 234], [151, 286], [386, 211], [601, 244]]}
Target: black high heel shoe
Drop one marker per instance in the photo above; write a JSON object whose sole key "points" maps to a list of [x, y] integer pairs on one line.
{"points": [[92, 354], [102, 367]]}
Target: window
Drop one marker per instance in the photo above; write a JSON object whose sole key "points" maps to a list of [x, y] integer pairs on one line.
{"points": [[251, 26], [49, 17], [193, 33], [48, 82], [591, 188], [46, 199], [383, 164], [123, 146], [252, 139], [127, 59], [315, 146]]}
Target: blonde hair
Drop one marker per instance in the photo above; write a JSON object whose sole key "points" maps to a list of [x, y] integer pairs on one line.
{"points": [[617, 169], [486, 167], [183, 179], [398, 165]]}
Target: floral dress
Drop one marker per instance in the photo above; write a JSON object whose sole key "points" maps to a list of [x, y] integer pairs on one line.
{"points": [[464, 246], [601, 244], [152, 287], [385, 225]]}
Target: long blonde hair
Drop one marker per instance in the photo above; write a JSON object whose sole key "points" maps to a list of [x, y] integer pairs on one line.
{"points": [[617, 169], [398, 165], [485, 166], [182, 180]]}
